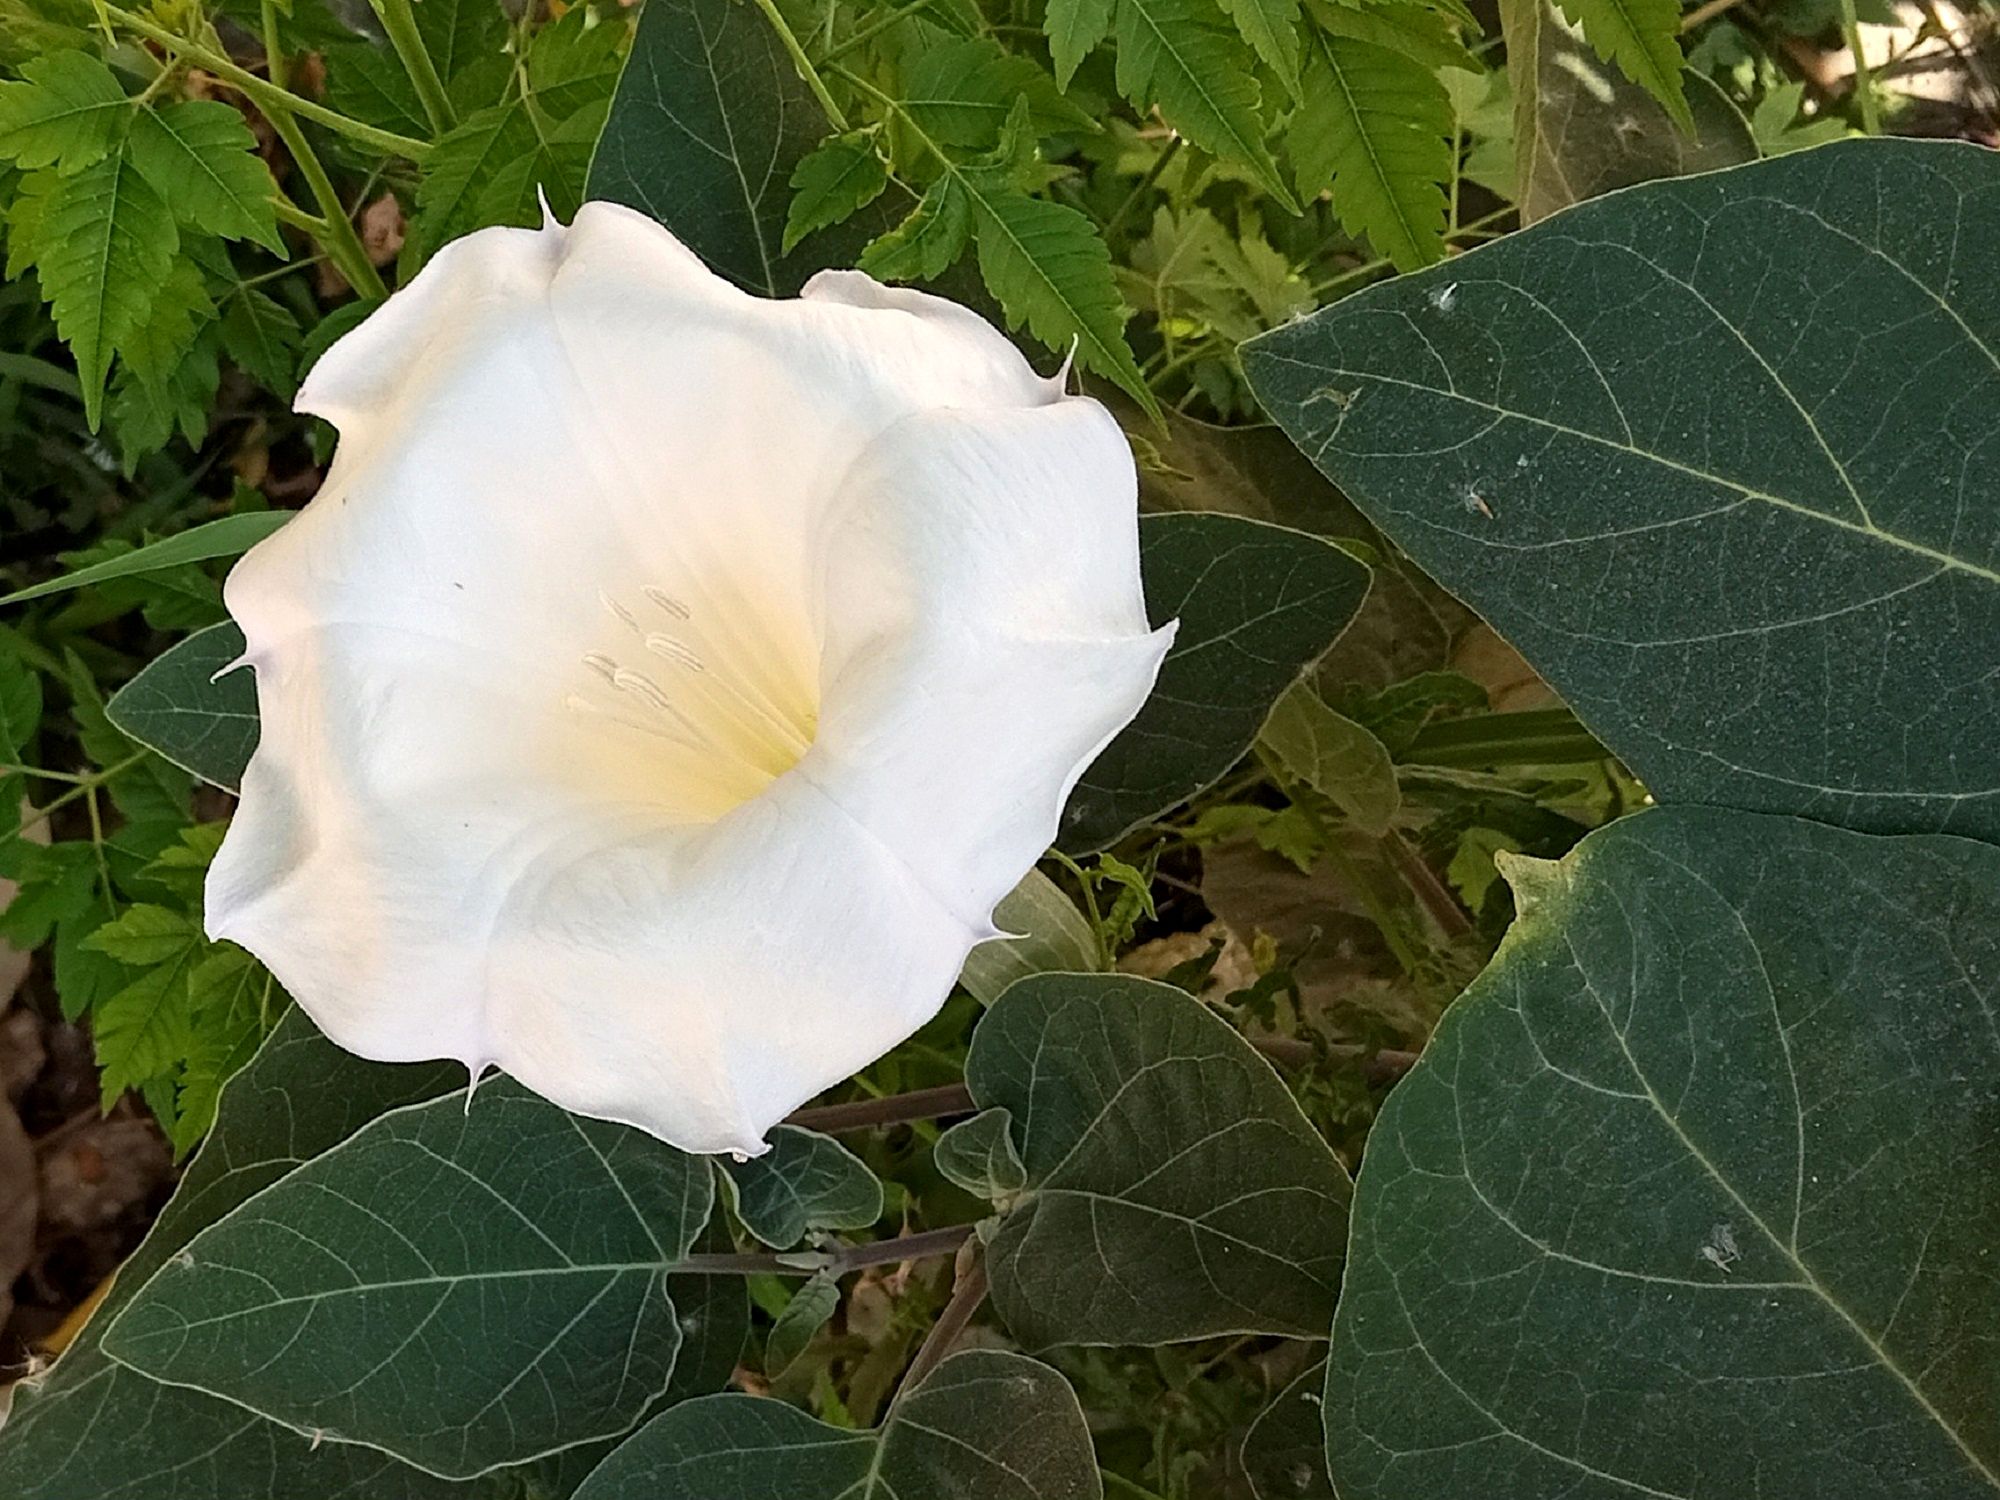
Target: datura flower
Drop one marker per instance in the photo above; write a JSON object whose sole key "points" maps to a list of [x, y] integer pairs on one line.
{"points": [[667, 682]]}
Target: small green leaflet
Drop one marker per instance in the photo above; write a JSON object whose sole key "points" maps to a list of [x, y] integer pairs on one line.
{"points": [[1643, 38], [1046, 933], [962, 93], [1375, 124], [69, 111], [100, 239], [200, 157], [924, 245], [986, 1425], [1692, 1192], [1271, 27], [1334, 756], [804, 1183], [979, 1155], [845, 173]]}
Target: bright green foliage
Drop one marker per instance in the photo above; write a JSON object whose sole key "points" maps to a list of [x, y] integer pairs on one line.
{"points": [[845, 174], [1334, 757], [1375, 124], [201, 158], [961, 94], [1271, 28], [1643, 38], [101, 239], [68, 110], [925, 244], [262, 336], [1200, 77]]}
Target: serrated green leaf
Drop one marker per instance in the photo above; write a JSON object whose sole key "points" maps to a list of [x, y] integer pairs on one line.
{"points": [[229, 994], [1581, 130], [708, 125], [1201, 78], [1271, 27], [68, 111], [154, 350], [20, 703], [1334, 756], [961, 94], [1775, 510], [1046, 934], [1074, 28], [1050, 269], [805, 1182], [227, 537], [834, 182], [200, 156], [179, 707], [925, 244], [1376, 127], [462, 165], [102, 241], [986, 1425], [1174, 1189], [1643, 38], [144, 1030], [1256, 605], [979, 1155], [1426, 36], [527, 1290], [1693, 1183], [262, 337], [804, 1316], [145, 936]]}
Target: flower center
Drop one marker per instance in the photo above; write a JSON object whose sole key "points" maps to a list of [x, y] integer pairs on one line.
{"points": [[721, 715]]}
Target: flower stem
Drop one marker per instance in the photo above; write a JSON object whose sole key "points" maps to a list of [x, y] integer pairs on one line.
{"points": [[1864, 81], [803, 63], [400, 22], [269, 98], [274, 55], [967, 1292], [895, 1109]]}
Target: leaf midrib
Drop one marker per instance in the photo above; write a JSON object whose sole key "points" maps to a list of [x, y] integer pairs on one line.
{"points": [[1562, 429]]}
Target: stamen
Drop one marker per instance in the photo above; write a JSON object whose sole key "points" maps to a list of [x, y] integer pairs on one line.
{"points": [[669, 603], [676, 651]]}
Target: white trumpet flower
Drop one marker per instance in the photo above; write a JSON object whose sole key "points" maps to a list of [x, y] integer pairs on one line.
{"points": [[667, 681]]}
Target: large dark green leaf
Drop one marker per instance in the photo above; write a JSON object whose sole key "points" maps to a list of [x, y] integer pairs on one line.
{"points": [[1693, 1194], [93, 1428], [709, 122], [1582, 128], [1284, 1452], [1257, 604], [1749, 528], [463, 1287], [1174, 1189], [986, 1425], [178, 706]]}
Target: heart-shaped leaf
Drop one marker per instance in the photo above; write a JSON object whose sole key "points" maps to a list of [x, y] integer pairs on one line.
{"points": [[178, 706], [1746, 531], [465, 1286], [1257, 604], [979, 1155], [1693, 1192], [1175, 1191], [986, 1425], [806, 1181]]}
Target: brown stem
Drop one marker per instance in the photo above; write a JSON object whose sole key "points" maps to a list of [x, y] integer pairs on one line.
{"points": [[896, 1109], [810, 1262], [966, 1295], [1422, 880]]}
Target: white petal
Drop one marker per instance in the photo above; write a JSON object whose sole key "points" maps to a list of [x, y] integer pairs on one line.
{"points": [[607, 548]]}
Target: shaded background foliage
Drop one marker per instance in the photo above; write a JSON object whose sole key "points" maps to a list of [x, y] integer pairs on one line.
{"points": [[1300, 856]]}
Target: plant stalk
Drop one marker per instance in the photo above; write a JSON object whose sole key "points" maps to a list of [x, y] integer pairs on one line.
{"points": [[804, 64], [925, 1246], [400, 23], [343, 244]]}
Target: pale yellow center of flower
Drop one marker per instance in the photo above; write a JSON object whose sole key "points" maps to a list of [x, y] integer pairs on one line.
{"points": [[722, 708]]}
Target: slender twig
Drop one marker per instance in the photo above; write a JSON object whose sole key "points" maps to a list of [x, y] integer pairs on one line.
{"points": [[967, 1292], [274, 55], [1706, 12], [877, 27], [400, 24], [343, 245], [1450, 917], [1864, 82], [925, 1246], [803, 63], [267, 96], [895, 1109], [1160, 162]]}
